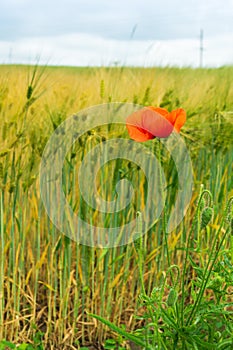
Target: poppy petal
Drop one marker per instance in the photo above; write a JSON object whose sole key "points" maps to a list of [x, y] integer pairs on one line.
{"points": [[135, 128], [179, 118], [156, 123], [138, 134], [151, 122], [148, 123], [159, 110]]}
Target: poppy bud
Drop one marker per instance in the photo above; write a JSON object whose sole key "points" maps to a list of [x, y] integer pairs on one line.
{"points": [[172, 297], [206, 216]]}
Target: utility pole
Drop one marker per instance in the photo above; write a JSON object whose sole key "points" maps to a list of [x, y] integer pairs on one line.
{"points": [[201, 47]]}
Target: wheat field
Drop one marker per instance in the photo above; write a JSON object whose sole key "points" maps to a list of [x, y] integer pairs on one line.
{"points": [[49, 283]]}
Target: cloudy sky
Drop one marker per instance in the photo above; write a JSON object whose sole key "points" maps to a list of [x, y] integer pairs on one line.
{"points": [[129, 32]]}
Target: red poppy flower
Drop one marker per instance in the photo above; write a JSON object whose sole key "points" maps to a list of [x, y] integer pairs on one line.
{"points": [[151, 122]]}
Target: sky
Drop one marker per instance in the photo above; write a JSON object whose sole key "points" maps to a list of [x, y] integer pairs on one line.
{"points": [[123, 32]]}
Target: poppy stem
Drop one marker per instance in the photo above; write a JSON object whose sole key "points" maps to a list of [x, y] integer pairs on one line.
{"points": [[164, 214]]}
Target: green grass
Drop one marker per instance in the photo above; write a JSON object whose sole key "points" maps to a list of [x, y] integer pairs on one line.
{"points": [[48, 283]]}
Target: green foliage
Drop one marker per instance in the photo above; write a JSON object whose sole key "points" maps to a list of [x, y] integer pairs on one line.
{"points": [[112, 344], [204, 323], [37, 345]]}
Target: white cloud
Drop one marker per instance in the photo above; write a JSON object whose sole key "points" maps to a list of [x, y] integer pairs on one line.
{"points": [[166, 20], [90, 50]]}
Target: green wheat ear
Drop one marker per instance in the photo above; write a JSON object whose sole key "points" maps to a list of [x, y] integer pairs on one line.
{"points": [[102, 88], [146, 98], [229, 212], [4, 130], [29, 91], [135, 99], [1, 174], [206, 216], [139, 241]]}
